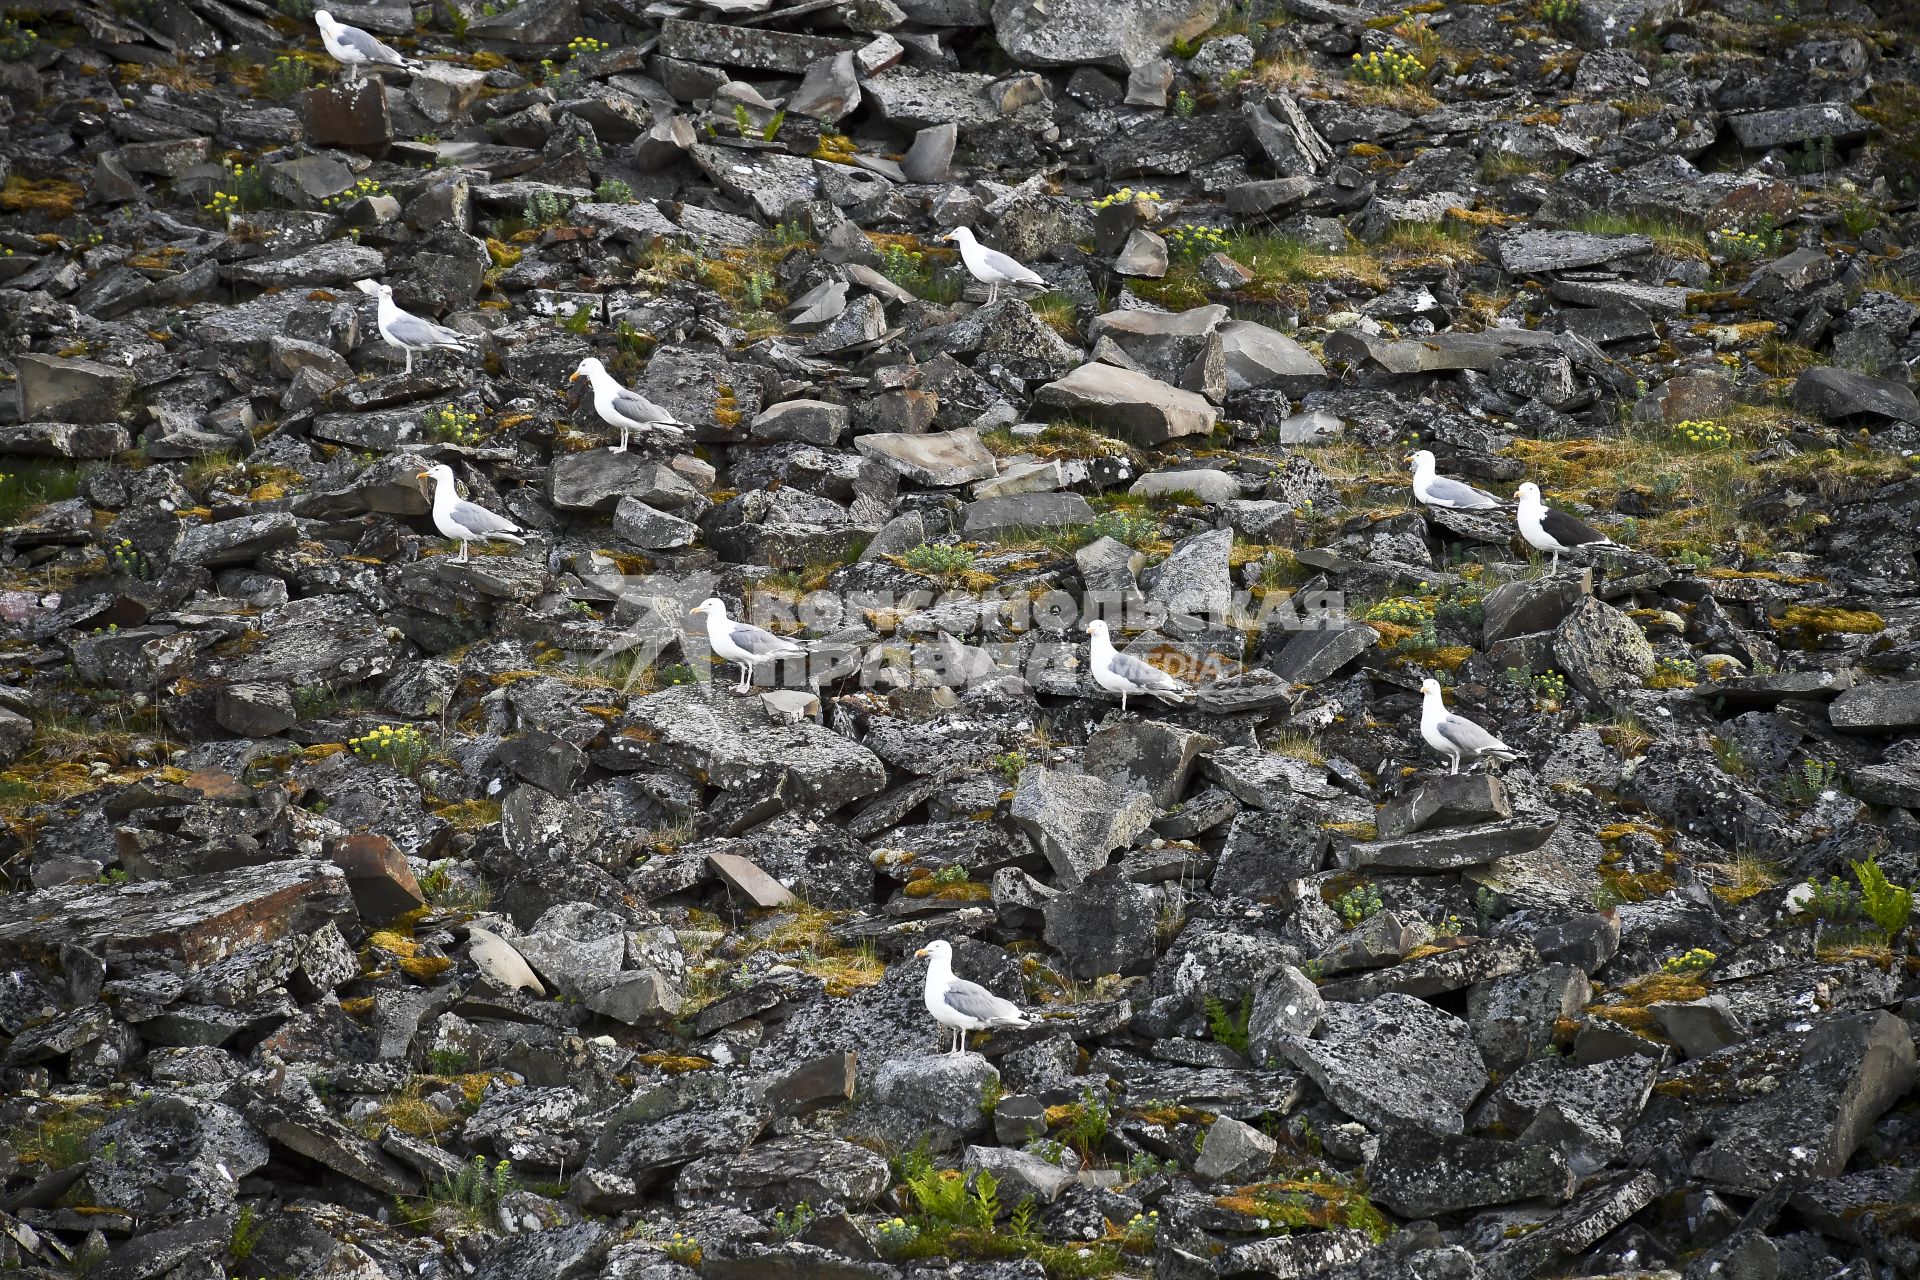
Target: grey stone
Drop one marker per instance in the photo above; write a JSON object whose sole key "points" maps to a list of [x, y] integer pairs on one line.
{"points": [[1235, 1152], [1838, 395], [1788, 126], [1076, 819], [1452, 801], [782, 1172], [1422, 1175], [1602, 651], [1873, 708], [1073, 32], [1019, 1174], [1393, 1061], [1025, 511], [53, 389], [940, 459], [944, 1089], [1139, 408]]}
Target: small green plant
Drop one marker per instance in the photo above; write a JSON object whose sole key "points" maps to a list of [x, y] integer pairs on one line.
{"points": [[1087, 1123], [1858, 215], [453, 425], [1125, 195], [1805, 785], [585, 45], [1736, 245], [1190, 240], [286, 78], [1889, 906], [1142, 1165], [787, 1225], [1701, 436], [1548, 689], [402, 747], [1010, 764], [1123, 526], [1386, 67], [477, 1187], [579, 321], [951, 874], [1184, 104], [246, 1233], [613, 191], [129, 561], [1359, 904], [1696, 960], [773, 126], [17, 43], [222, 204], [364, 189], [1559, 13], [1229, 1026], [683, 1249], [1833, 901], [544, 209], [897, 1235], [758, 290], [1674, 673], [939, 560], [904, 266], [1141, 1230]]}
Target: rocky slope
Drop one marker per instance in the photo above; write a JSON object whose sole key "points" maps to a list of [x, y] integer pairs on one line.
{"points": [[376, 914]]}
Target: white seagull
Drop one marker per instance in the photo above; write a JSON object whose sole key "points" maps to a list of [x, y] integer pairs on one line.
{"points": [[1457, 737], [744, 645], [990, 266], [1124, 674], [1546, 529], [628, 410], [353, 48], [1438, 491], [409, 332], [961, 1006], [455, 517]]}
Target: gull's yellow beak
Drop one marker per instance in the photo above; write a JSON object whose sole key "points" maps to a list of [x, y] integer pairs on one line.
{"points": [[921, 952], [574, 376], [423, 475], [695, 610]]}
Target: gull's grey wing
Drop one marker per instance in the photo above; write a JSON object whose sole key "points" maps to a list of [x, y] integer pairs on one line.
{"points": [[980, 1004], [411, 331], [1569, 532], [368, 47], [1469, 738], [1455, 494], [638, 408], [477, 518], [762, 644], [1008, 268], [1143, 674]]}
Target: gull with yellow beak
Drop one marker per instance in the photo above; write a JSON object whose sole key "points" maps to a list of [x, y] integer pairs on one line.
{"points": [[743, 644], [1438, 491], [628, 410], [455, 517], [961, 1006]]}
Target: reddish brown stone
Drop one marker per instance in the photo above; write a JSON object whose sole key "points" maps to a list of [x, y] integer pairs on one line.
{"points": [[382, 883]]}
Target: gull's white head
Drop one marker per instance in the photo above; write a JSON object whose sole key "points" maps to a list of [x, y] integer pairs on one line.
{"points": [[324, 19], [1430, 687], [590, 368], [439, 474], [1422, 459], [962, 234], [711, 606], [1097, 629], [938, 949], [1528, 492]]}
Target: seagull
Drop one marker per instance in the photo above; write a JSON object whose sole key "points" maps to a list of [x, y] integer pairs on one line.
{"points": [[619, 407], [1123, 674], [455, 517], [989, 266], [742, 644], [962, 1006], [352, 47], [409, 332], [1548, 530], [1456, 736], [1438, 491]]}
